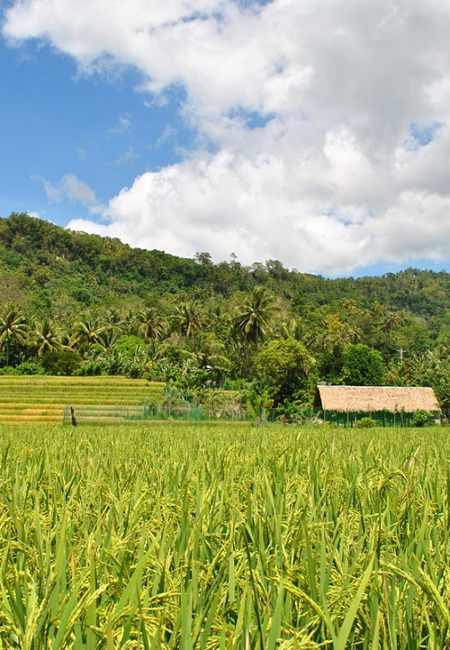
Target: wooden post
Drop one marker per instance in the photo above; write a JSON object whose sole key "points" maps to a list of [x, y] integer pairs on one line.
{"points": [[74, 419]]}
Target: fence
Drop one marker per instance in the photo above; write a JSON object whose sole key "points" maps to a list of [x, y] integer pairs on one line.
{"points": [[140, 412], [111, 413], [382, 418]]}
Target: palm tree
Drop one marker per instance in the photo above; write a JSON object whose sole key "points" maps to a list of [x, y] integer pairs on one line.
{"points": [[114, 318], [149, 324], [129, 324], [45, 339], [87, 332], [108, 336], [210, 353], [392, 320], [291, 328], [186, 319], [253, 321], [13, 328]]}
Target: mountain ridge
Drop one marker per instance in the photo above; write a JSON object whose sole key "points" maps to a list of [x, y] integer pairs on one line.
{"points": [[39, 259]]}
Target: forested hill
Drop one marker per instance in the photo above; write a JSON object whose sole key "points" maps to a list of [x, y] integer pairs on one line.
{"points": [[72, 303], [52, 271]]}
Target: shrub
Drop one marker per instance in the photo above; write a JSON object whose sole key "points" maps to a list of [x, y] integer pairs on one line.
{"points": [[61, 362], [90, 368], [29, 368], [24, 368], [421, 418], [365, 423]]}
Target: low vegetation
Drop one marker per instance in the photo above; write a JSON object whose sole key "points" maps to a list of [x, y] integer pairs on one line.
{"points": [[224, 537]]}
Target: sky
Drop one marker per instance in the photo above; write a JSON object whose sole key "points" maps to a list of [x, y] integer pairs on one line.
{"points": [[314, 132]]}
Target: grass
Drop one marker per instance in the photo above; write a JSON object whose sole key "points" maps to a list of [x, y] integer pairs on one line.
{"points": [[224, 537], [42, 398]]}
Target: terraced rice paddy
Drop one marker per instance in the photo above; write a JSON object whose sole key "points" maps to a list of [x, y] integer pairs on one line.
{"points": [[224, 537], [42, 398]]}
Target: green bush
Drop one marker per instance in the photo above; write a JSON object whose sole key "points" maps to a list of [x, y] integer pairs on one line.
{"points": [[24, 368], [90, 368], [421, 418], [61, 362], [365, 423]]}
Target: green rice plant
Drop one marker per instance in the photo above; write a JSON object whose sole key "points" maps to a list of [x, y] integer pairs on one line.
{"points": [[224, 536]]}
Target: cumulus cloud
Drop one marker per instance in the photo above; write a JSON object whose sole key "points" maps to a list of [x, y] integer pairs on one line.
{"points": [[328, 123]]}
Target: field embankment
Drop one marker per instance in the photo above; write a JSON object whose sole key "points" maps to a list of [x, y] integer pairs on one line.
{"points": [[224, 537], [42, 398]]}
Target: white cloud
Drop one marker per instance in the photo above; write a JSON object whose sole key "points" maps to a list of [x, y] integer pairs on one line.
{"points": [[77, 190], [69, 187], [331, 180]]}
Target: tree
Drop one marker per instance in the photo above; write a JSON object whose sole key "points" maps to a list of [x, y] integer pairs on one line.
{"points": [[331, 364], [253, 322], [13, 329], [362, 366], [210, 356], [114, 319], [149, 324], [203, 258], [87, 332], [254, 319], [61, 362], [45, 339], [186, 319], [427, 369], [108, 337], [283, 368]]}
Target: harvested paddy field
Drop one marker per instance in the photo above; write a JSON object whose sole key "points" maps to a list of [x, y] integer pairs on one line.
{"points": [[224, 537], [42, 398]]}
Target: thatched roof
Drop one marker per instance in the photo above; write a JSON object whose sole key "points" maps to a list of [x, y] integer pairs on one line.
{"points": [[375, 398]]}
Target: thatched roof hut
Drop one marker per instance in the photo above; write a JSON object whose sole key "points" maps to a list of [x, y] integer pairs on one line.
{"points": [[368, 399]]}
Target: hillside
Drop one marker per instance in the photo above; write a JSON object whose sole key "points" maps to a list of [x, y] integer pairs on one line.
{"points": [[72, 303], [42, 264]]}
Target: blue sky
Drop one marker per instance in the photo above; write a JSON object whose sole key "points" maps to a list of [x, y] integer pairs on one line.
{"points": [[233, 126], [54, 121]]}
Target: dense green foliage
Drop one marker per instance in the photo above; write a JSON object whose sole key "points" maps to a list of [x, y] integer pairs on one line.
{"points": [[72, 303], [362, 366], [284, 368], [224, 537]]}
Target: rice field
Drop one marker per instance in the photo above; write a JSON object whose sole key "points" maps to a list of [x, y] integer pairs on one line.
{"points": [[42, 398], [224, 537]]}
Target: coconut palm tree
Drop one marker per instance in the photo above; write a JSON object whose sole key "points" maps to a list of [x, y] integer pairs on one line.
{"points": [[45, 339], [87, 332], [108, 336], [253, 322], [13, 328], [114, 319], [186, 319], [291, 328], [149, 324], [210, 353], [254, 319], [392, 320]]}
